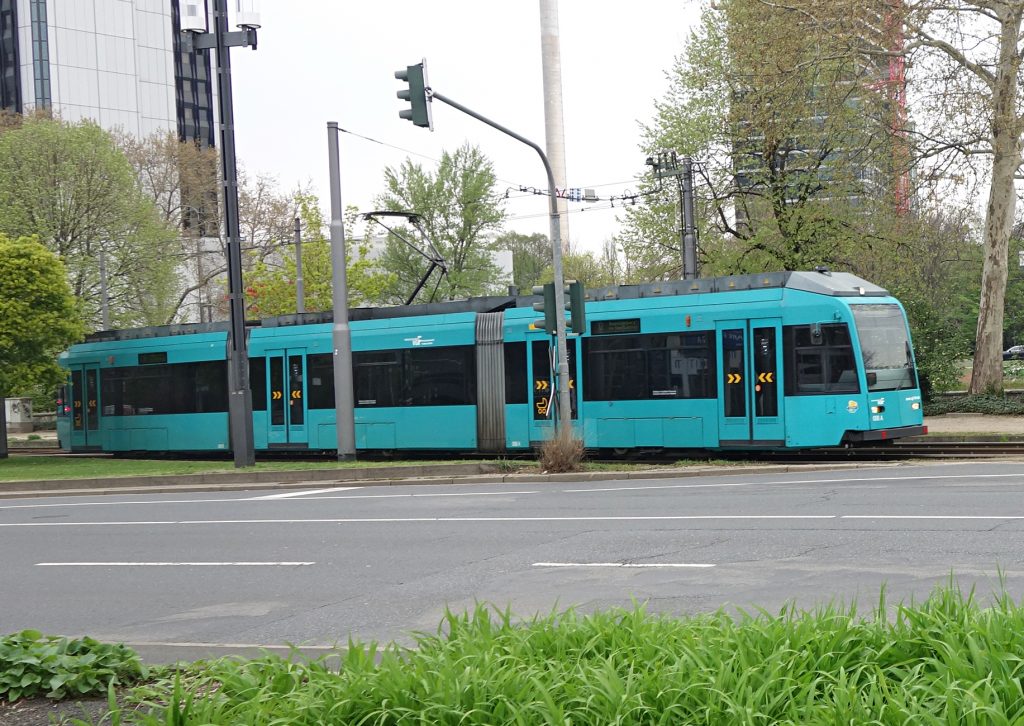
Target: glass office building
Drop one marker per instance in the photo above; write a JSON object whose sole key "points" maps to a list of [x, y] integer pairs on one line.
{"points": [[117, 62]]}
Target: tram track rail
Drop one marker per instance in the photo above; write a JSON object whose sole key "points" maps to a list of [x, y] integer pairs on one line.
{"points": [[896, 450]]}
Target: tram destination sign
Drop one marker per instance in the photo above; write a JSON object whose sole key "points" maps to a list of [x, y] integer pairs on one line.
{"points": [[615, 327]]}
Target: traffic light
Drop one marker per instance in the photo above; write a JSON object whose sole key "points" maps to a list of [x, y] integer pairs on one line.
{"points": [[547, 307], [574, 302], [416, 94]]}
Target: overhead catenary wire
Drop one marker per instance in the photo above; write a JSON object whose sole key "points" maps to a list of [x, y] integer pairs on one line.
{"points": [[526, 190]]}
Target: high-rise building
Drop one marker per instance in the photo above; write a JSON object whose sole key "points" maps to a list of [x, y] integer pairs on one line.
{"points": [[825, 115], [117, 62]]}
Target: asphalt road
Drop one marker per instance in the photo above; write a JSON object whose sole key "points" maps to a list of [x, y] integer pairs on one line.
{"points": [[163, 572]]}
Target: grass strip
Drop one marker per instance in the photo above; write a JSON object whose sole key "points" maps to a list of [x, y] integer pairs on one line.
{"points": [[947, 660], [23, 468]]}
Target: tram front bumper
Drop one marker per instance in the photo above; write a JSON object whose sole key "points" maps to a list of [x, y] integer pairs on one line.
{"points": [[897, 432]]}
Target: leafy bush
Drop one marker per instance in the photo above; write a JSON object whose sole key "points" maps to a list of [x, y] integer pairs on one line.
{"points": [[988, 404], [945, 661], [33, 664]]}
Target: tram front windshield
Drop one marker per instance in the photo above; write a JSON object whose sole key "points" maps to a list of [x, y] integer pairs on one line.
{"points": [[884, 347]]}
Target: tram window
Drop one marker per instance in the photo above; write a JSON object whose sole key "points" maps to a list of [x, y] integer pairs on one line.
{"points": [[165, 389], [544, 396], [320, 384], [296, 411], [641, 367], [92, 394], [258, 383], [276, 376], [377, 377], [440, 376], [515, 372], [884, 347], [211, 390], [77, 420], [819, 359], [766, 395]]}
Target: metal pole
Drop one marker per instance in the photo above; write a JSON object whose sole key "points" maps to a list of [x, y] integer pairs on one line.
{"points": [[300, 290], [690, 271], [199, 278], [344, 400], [562, 380], [240, 397], [104, 301]]}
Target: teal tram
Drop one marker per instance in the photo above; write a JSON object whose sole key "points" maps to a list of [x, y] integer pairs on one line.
{"points": [[768, 362]]}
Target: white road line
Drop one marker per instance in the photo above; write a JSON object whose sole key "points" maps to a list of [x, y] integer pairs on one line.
{"points": [[423, 496], [174, 564], [927, 516], [800, 481], [289, 495], [660, 486], [403, 520], [253, 499], [616, 564]]}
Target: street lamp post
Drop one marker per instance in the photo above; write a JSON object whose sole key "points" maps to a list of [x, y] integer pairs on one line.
{"points": [[220, 40]]}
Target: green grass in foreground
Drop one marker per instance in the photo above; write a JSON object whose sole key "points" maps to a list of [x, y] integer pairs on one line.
{"points": [[23, 468], [945, 661]]}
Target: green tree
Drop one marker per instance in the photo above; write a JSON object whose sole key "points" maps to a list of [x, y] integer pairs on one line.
{"points": [[458, 207], [270, 286], [531, 255], [38, 319], [69, 185], [784, 121]]}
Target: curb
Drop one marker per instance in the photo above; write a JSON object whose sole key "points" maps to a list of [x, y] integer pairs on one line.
{"points": [[464, 474]]}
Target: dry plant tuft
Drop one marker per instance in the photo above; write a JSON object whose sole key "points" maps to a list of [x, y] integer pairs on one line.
{"points": [[561, 453]]}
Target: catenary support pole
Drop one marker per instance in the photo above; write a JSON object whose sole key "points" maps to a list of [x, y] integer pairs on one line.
{"points": [[300, 290], [690, 271], [239, 395], [104, 299], [344, 400]]}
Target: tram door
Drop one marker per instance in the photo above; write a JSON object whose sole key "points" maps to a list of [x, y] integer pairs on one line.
{"points": [[286, 398], [85, 406], [750, 399], [543, 394]]}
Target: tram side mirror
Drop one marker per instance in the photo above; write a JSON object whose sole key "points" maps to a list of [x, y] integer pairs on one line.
{"points": [[816, 337], [872, 379]]}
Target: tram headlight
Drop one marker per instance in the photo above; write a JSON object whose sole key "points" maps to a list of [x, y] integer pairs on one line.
{"points": [[915, 406]]}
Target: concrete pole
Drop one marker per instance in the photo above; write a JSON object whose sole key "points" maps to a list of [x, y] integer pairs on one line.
{"points": [[554, 131], [104, 299], [690, 271], [300, 290], [344, 399]]}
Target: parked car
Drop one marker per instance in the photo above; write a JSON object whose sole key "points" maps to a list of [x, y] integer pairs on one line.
{"points": [[1014, 352]]}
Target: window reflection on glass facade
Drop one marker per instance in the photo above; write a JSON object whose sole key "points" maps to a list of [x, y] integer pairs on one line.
{"points": [[10, 88], [193, 89], [40, 53]]}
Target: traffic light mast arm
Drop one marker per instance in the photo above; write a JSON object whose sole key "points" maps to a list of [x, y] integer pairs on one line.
{"points": [[564, 416]]}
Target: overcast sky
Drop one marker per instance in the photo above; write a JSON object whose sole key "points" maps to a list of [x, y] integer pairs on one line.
{"points": [[334, 60]]}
